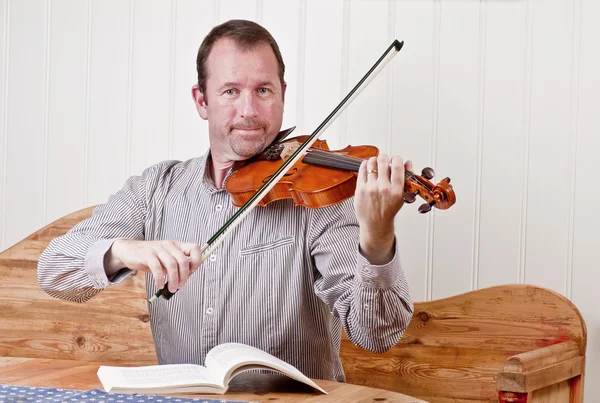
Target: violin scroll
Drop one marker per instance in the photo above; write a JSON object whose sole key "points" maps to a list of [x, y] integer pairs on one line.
{"points": [[440, 195]]}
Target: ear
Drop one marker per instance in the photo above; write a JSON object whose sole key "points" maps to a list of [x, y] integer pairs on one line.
{"points": [[200, 101], [283, 91]]}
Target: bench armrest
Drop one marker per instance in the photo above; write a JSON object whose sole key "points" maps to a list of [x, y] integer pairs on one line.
{"points": [[541, 367]]}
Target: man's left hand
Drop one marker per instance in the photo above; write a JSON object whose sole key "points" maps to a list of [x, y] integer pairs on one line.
{"points": [[378, 198]]}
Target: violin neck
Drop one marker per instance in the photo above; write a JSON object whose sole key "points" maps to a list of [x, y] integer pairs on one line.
{"points": [[332, 160], [340, 161]]}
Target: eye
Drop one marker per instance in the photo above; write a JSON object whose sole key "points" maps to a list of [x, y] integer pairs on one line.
{"points": [[230, 92], [264, 91]]}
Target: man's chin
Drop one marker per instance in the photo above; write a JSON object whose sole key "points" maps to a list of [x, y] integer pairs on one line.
{"points": [[247, 152], [248, 148]]}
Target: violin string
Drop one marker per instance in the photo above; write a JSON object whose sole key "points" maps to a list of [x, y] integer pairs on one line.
{"points": [[333, 160], [341, 161]]}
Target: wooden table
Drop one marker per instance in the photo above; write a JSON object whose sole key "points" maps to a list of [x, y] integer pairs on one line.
{"points": [[80, 375]]}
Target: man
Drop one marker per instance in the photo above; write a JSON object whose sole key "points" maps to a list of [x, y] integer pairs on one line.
{"points": [[287, 277]]}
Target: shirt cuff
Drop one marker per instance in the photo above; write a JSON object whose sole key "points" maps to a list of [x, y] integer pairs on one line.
{"points": [[379, 276], [94, 265]]}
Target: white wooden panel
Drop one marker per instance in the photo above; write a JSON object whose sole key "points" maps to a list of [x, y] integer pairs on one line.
{"points": [[4, 29], [367, 117], [413, 85], [282, 19], [584, 291], [152, 76], [194, 19], [67, 107], [237, 9], [502, 160], [457, 145], [322, 68], [26, 119], [109, 88], [548, 182]]}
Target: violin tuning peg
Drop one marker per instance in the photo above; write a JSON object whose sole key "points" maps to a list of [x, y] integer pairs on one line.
{"points": [[426, 207], [428, 173], [447, 180], [410, 197]]}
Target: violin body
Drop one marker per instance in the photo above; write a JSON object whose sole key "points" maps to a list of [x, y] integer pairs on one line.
{"points": [[309, 185]]}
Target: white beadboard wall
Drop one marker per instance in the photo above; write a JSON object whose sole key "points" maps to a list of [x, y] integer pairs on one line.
{"points": [[503, 96]]}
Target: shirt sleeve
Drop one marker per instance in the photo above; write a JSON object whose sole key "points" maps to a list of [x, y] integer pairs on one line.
{"points": [[72, 266], [372, 301]]}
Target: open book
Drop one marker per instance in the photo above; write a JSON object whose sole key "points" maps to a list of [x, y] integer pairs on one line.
{"points": [[223, 362]]}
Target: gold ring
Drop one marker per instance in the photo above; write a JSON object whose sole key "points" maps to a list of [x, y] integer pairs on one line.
{"points": [[372, 171]]}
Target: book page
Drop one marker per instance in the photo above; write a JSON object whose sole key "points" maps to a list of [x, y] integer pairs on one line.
{"points": [[223, 361], [155, 376]]}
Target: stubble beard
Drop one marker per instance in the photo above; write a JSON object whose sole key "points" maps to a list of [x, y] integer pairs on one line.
{"points": [[248, 146]]}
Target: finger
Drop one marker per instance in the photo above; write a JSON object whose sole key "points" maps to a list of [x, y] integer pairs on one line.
{"points": [[383, 170], [372, 169], [194, 251], [408, 166], [157, 271], [183, 261], [397, 175], [170, 264], [362, 173]]}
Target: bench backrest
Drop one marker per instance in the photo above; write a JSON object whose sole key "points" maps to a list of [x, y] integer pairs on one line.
{"points": [[452, 350], [112, 327], [454, 347]]}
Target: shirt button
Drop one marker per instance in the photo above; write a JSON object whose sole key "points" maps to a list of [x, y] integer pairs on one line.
{"points": [[209, 311], [212, 258], [219, 207], [366, 306]]}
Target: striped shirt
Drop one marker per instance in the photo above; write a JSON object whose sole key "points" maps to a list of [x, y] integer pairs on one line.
{"points": [[285, 280]]}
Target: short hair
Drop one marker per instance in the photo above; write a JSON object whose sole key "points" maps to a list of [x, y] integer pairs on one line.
{"points": [[245, 34]]}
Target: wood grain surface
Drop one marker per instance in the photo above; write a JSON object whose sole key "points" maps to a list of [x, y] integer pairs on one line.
{"points": [[81, 375], [455, 347], [113, 326]]}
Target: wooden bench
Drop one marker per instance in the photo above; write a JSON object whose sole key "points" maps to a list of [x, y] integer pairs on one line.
{"points": [[510, 343]]}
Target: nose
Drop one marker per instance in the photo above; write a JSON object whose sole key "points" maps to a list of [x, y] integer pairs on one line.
{"points": [[248, 105]]}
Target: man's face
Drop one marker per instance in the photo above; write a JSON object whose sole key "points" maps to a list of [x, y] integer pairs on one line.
{"points": [[243, 100]]}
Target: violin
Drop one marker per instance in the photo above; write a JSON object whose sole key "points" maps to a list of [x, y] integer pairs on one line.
{"points": [[324, 177]]}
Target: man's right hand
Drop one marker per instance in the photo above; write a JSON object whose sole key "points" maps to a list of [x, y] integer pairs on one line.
{"points": [[173, 259]]}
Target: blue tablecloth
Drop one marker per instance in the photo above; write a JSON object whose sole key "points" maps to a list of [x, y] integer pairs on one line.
{"points": [[18, 394]]}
